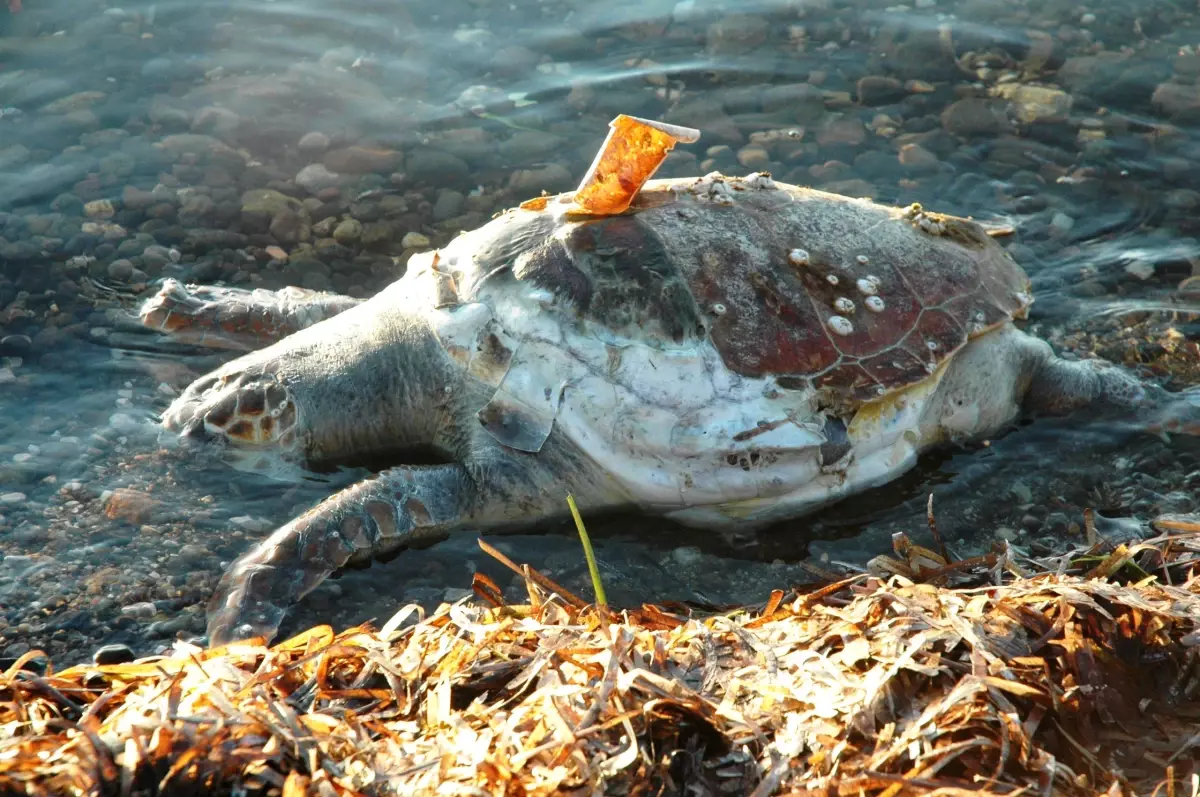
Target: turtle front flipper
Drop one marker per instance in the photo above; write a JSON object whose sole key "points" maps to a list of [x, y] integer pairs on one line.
{"points": [[235, 318], [400, 508]]}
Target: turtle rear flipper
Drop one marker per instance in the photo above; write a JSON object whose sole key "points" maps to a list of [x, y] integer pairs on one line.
{"points": [[236, 318], [1176, 413], [1060, 386]]}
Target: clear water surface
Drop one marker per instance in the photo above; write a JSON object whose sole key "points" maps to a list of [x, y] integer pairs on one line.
{"points": [[130, 132]]}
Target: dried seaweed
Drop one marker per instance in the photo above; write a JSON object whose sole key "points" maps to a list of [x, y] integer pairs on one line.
{"points": [[1073, 675]]}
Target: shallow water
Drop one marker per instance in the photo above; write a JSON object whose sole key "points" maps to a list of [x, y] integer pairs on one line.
{"points": [[1076, 125]]}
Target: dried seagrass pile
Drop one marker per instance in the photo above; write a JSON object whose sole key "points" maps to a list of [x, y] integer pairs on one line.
{"points": [[1001, 675]]}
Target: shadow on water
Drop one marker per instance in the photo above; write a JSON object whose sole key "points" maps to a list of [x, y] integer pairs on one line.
{"points": [[130, 135]]}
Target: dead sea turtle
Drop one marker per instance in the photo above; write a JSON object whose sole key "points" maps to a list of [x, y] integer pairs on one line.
{"points": [[727, 352]]}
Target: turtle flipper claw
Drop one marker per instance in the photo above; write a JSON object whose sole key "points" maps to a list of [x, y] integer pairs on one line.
{"points": [[403, 507], [254, 594], [246, 608], [235, 318]]}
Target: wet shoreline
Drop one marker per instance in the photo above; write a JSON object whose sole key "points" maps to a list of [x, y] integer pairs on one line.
{"points": [[322, 146]]}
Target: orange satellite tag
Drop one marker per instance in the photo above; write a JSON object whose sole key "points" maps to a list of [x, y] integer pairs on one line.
{"points": [[632, 152]]}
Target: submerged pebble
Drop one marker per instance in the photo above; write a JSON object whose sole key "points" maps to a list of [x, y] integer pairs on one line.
{"points": [[142, 610], [108, 655]]}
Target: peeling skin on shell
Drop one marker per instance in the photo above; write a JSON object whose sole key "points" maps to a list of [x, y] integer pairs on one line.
{"points": [[618, 275], [445, 290], [521, 413], [837, 442], [492, 354]]}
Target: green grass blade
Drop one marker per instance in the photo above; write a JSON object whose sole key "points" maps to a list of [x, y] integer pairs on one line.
{"points": [[587, 552]]}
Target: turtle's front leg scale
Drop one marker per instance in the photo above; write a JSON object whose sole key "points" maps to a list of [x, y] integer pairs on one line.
{"points": [[402, 507]]}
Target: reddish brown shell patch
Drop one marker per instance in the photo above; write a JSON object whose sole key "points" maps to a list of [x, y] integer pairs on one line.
{"points": [[850, 299]]}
